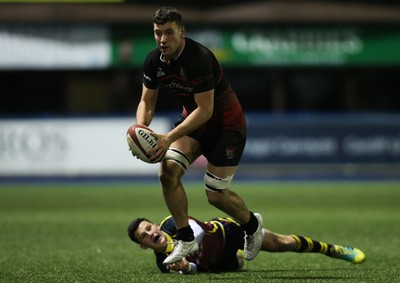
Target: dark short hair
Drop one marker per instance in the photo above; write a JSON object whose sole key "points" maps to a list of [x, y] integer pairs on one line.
{"points": [[167, 14], [133, 227]]}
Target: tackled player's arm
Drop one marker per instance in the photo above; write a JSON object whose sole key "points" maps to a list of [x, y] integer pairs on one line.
{"points": [[147, 106], [183, 267]]}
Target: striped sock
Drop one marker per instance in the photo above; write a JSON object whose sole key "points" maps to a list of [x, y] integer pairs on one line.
{"points": [[307, 245]]}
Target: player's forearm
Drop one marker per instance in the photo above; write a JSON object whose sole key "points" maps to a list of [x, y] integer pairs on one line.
{"points": [[183, 267], [196, 119], [192, 269], [144, 114]]}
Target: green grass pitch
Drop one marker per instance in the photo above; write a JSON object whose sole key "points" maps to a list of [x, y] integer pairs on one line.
{"points": [[62, 232]]}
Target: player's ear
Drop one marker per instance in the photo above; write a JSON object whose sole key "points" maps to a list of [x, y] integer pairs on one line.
{"points": [[183, 31]]}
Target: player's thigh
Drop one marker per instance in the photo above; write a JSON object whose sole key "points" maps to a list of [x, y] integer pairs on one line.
{"points": [[188, 146], [224, 150], [224, 153]]}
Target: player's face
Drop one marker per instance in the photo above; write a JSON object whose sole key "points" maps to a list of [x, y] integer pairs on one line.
{"points": [[151, 236], [169, 38]]}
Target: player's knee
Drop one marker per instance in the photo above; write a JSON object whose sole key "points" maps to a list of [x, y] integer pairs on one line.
{"points": [[166, 179], [215, 186], [215, 199], [177, 157], [240, 258], [171, 172], [280, 243]]}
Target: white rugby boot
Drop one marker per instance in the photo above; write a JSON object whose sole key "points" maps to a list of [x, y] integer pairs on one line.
{"points": [[181, 250], [252, 243]]}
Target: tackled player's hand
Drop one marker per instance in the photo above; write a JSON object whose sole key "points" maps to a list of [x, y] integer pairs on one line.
{"points": [[182, 265]]}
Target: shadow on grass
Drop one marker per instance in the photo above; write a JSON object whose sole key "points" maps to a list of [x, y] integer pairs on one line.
{"points": [[285, 275]]}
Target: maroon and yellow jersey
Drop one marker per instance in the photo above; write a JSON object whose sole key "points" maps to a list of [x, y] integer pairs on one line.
{"points": [[223, 237], [196, 70]]}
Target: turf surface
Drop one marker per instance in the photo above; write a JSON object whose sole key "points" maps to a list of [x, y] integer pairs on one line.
{"points": [[77, 232]]}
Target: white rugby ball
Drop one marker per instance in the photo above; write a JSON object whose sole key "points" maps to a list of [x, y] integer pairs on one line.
{"points": [[140, 141]]}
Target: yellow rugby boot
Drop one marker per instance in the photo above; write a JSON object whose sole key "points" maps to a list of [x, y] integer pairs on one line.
{"points": [[350, 254]]}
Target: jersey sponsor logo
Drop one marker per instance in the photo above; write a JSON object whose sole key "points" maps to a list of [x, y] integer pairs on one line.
{"points": [[175, 85]]}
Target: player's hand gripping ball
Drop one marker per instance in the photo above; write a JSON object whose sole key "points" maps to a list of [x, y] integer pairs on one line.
{"points": [[140, 141]]}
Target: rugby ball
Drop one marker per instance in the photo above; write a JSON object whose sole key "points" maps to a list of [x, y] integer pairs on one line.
{"points": [[140, 141]]}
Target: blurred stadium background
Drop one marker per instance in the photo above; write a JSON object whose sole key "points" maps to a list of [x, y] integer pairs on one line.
{"points": [[319, 81]]}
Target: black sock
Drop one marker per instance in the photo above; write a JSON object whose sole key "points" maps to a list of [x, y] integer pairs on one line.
{"points": [[307, 245], [251, 226], [185, 234]]}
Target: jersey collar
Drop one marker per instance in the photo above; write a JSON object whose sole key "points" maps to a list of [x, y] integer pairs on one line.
{"points": [[179, 54], [170, 245]]}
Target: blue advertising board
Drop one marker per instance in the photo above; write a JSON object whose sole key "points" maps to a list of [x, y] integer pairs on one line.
{"points": [[323, 138]]}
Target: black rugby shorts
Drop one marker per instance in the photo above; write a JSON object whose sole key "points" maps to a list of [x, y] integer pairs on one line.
{"points": [[222, 149]]}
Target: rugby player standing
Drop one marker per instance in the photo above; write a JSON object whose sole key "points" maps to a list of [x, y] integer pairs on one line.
{"points": [[212, 124]]}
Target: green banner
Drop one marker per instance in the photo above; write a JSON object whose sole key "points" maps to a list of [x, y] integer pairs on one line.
{"points": [[276, 46]]}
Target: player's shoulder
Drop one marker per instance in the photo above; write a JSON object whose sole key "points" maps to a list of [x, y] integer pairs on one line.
{"points": [[168, 225], [198, 48], [153, 55]]}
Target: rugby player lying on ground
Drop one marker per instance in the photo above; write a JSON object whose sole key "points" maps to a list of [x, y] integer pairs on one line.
{"points": [[221, 244]]}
